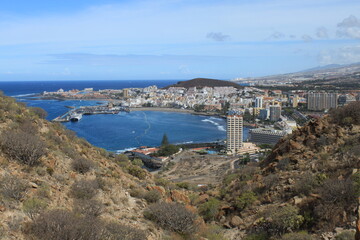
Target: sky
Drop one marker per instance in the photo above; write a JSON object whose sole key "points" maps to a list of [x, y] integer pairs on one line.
{"points": [[173, 39]]}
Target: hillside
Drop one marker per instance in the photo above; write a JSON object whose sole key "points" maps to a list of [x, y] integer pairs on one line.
{"points": [[204, 82], [56, 186], [309, 182]]}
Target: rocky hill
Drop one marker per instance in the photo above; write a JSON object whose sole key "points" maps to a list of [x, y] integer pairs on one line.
{"points": [[205, 82], [306, 188]]}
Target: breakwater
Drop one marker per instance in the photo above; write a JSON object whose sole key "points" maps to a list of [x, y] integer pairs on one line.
{"points": [[77, 113]]}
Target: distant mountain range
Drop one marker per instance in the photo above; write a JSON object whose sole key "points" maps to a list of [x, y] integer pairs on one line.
{"points": [[204, 82], [334, 74]]}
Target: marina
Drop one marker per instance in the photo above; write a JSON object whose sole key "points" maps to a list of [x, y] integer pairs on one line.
{"points": [[76, 114]]}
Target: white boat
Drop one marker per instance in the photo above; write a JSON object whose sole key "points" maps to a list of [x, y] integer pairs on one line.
{"points": [[74, 117]]}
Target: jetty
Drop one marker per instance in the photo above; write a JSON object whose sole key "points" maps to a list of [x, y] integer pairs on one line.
{"points": [[77, 113]]}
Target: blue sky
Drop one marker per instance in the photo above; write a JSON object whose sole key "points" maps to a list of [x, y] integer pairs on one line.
{"points": [[173, 39]]}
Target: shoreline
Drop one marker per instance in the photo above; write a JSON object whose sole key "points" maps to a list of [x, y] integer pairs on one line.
{"points": [[177, 110]]}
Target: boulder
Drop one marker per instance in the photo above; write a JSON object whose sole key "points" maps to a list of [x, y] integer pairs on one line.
{"points": [[236, 221]]}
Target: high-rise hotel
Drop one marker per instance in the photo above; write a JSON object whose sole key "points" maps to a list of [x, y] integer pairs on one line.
{"points": [[234, 133], [319, 101]]}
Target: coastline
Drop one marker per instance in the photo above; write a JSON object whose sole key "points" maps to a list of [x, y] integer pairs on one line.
{"points": [[177, 110]]}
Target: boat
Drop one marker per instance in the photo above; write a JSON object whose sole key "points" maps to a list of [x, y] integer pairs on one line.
{"points": [[75, 117]]}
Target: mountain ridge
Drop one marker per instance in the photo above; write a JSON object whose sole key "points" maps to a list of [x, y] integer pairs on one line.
{"points": [[204, 82]]}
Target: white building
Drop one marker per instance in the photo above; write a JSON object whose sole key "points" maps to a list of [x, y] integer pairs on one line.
{"points": [[234, 141], [258, 102]]}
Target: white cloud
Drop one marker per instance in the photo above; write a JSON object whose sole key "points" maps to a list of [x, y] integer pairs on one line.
{"points": [[218, 36], [349, 28], [306, 38], [322, 32], [276, 35], [343, 55]]}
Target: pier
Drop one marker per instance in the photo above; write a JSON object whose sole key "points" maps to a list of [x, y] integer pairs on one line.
{"points": [[77, 113]]}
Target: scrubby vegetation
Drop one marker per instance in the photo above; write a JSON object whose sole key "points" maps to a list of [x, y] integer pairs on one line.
{"points": [[172, 216], [12, 187], [22, 146], [82, 165], [62, 224]]}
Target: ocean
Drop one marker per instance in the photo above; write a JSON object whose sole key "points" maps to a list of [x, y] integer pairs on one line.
{"points": [[122, 131]]}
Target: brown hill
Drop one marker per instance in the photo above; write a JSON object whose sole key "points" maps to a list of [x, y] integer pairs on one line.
{"points": [[310, 182], [204, 82]]}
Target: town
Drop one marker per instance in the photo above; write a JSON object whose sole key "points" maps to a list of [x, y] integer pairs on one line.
{"points": [[271, 114]]}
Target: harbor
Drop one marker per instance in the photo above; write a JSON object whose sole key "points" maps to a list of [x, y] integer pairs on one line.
{"points": [[75, 114]]}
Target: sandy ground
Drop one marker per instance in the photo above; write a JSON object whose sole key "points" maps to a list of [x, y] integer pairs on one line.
{"points": [[194, 168]]}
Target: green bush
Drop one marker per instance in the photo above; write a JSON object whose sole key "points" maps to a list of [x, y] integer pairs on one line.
{"points": [[210, 209], [184, 185], [245, 199], [136, 171], [34, 206], [152, 196], [229, 178], [282, 219], [172, 216], [137, 192], [137, 162], [167, 150]]}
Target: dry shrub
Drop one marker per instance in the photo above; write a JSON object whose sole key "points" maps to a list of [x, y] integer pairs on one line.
{"points": [[172, 216], [12, 187], [27, 125], [63, 224], [339, 192], [347, 115], [23, 147], [305, 184], [34, 206], [152, 196], [116, 232], [41, 113], [84, 189], [88, 207], [82, 165]]}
